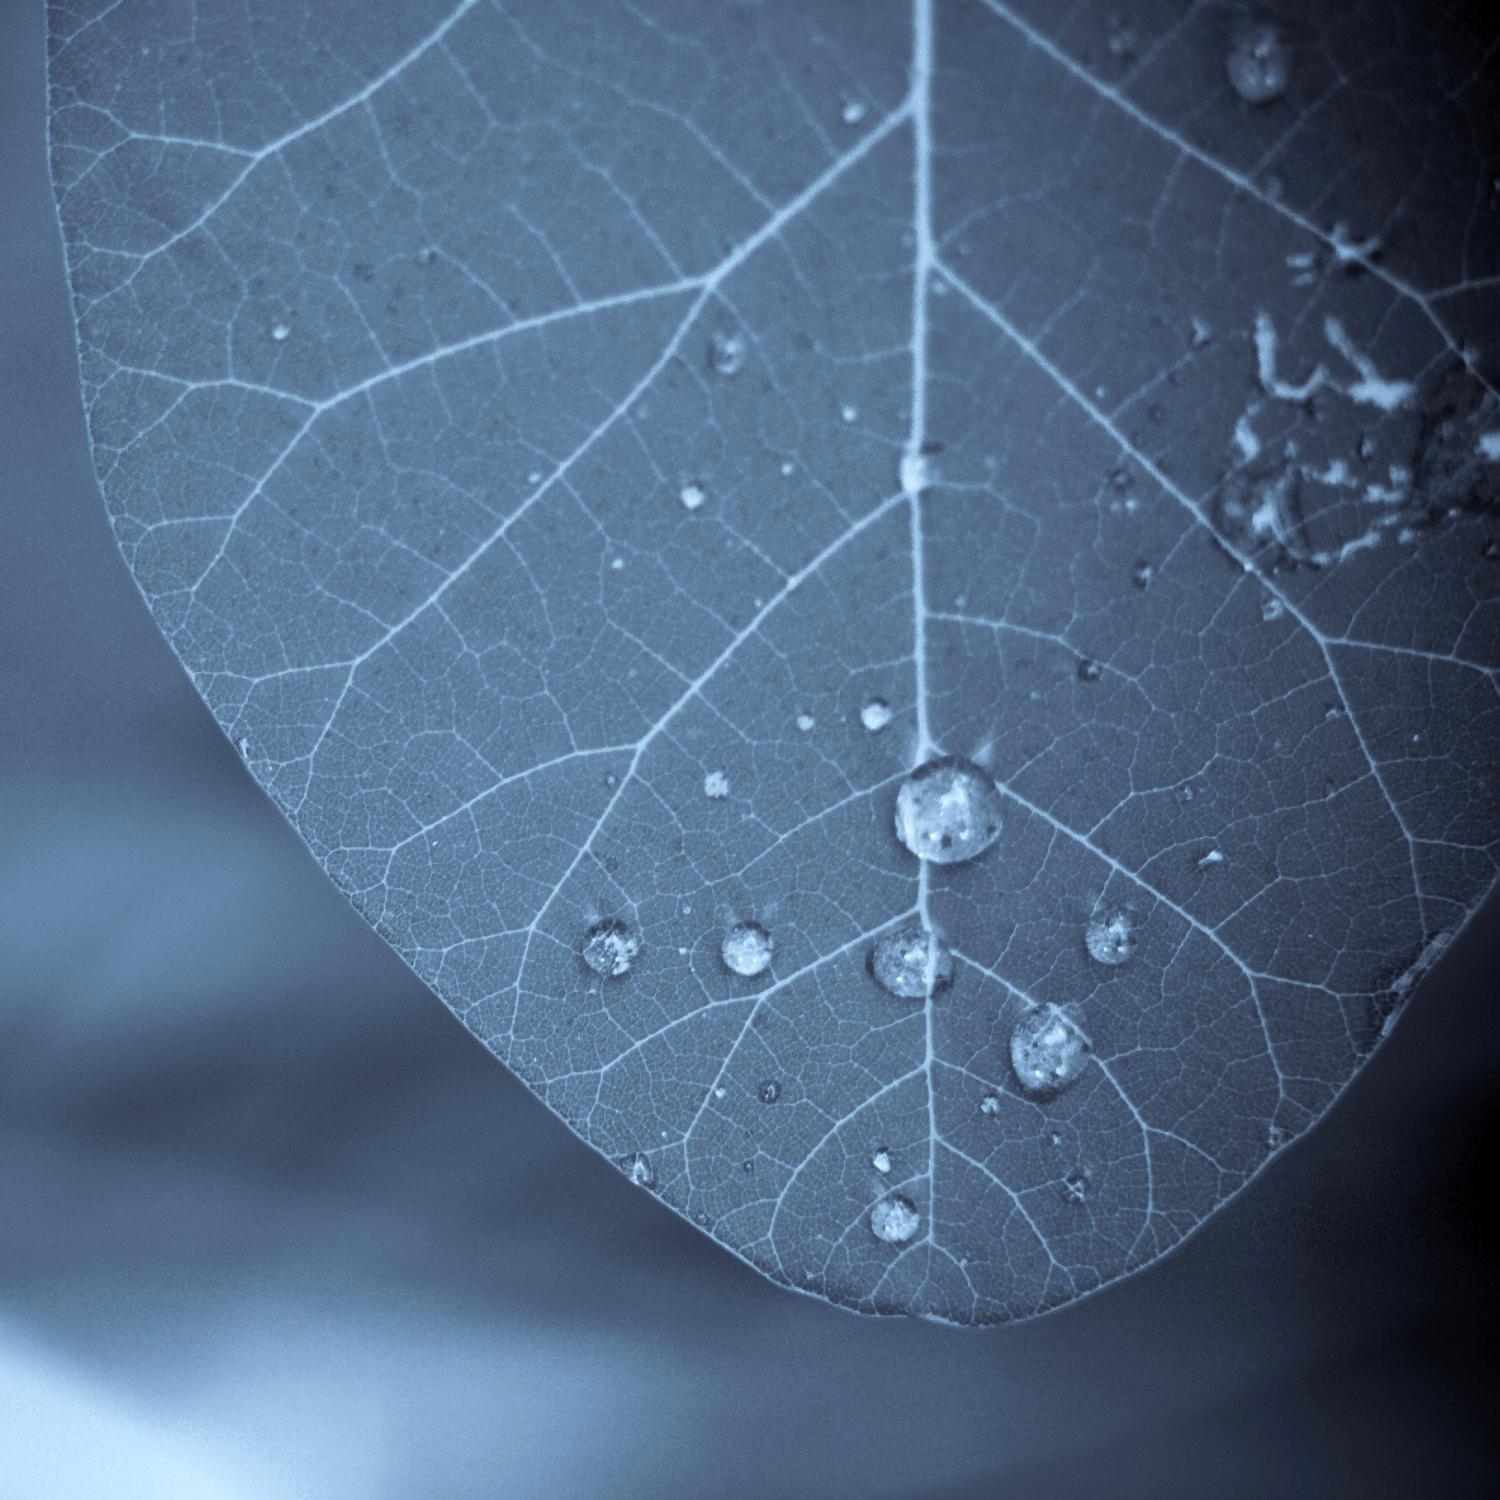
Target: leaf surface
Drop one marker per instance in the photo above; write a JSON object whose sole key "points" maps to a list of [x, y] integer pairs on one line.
{"points": [[588, 456]]}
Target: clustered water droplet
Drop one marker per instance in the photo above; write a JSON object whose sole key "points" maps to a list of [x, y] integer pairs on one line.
{"points": [[747, 949], [875, 715], [1047, 1051], [894, 1221], [911, 963], [1110, 937], [726, 353], [769, 1091], [948, 810], [610, 947], [1259, 64], [640, 1171]]}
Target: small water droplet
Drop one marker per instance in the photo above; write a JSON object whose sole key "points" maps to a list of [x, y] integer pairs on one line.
{"points": [[640, 1171], [1047, 1051], [852, 112], [1491, 550], [244, 746], [849, 413], [1275, 1137], [1142, 574], [1089, 671], [805, 722], [1185, 792], [1259, 64], [894, 1221], [989, 1106], [1110, 937], [280, 331], [881, 1161], [875, 715], [1272, 609], [747, 1165], [747, 949], [1210, 858], [726, 353], [911, 963], [1201, 333], [769, 1091], [1121, 479], [610, 947], [1054, 1138], [692, 495], [948, 810], [1075, 1186], [788, 468], [716, 785]]}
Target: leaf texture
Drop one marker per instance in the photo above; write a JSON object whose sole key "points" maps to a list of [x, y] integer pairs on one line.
{"points": [[587, 456]]}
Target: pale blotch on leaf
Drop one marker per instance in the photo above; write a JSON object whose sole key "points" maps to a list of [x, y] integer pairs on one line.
{"points": [[894, 1221], [747, 949], [1259, 64], [1110, 937], [1047, 1051], [948, 810], [911, 963], [610, 947]]}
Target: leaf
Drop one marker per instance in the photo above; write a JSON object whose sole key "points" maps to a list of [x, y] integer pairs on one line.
{"points": [[587, 458]]}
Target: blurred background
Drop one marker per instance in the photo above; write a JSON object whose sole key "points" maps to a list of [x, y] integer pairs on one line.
{"points": [[273, 1226]]}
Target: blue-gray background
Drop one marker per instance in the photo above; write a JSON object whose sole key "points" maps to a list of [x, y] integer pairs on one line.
{"points": [[271, 1225]]}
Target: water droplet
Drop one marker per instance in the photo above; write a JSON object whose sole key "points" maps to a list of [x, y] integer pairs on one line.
{"points": [[692, 494], [716, 785], [788, 468], [639, 1171], [1275, 1137], [849, 413], [894, 1221], [1047, 1051], [1210, 858], [769, 1091], [1121, 479], [747, 949], [881, 1161], [1259, 64], [610, 947], [726, 353], [805, 722], [1075, 1186], [1142, 574], [1491, 550], [1089, 671], [915, 474], [280, 331], [948, 810], [911, 963], [1110, 937], [875, 715], [852, 112], [989, 1106], [1272, 609], [244, 746]]}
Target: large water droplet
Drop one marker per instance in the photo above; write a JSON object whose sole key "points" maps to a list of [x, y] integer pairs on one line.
{"points": [[769, 1091], [1047, 1051], [894, 1220], [610, 947], [911, 963], [640, 1171], [1110, 937], [875, 715], [948, 810], [747, 949], [1259, 64], [726, 353]]}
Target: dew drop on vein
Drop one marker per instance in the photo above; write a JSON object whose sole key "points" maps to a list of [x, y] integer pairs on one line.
{"points": [[894, 1220], [1047, 1052], [948, 810], [610, 947], [1110, 937], [911, 963], [747, 949]]}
